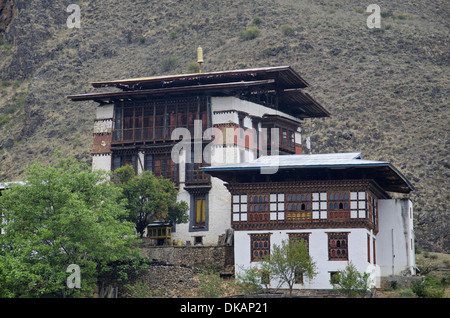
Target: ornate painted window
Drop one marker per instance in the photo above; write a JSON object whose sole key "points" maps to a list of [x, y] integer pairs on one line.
{"points": [[298, 206], [338, 246], [260, 246], [338, 205], [258, 207], [295, 237]]}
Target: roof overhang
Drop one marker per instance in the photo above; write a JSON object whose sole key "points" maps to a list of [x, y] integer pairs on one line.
{"points": [[285, 76], [384, 173], [143, 94], [281, 81]]}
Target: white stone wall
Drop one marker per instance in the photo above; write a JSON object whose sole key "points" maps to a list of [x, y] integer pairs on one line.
{"points": [[101, 162], [232, 103], [395, 239], [318, 247], [105, 112]]}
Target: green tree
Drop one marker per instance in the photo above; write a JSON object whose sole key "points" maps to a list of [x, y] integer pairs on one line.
{"points": [[350, 282], [64, 214], [150, 199], [289, 260]]}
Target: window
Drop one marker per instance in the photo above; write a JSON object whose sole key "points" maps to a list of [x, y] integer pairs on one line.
{"points": [[298, 206], [260, 246], [337, 246], [121, 160], [258, 207], [161, 165], [295, 237], [358, 205], [319, 205], [277, 206], [239, 208], [200, 211], [198, 240], [374, 253], [334, 277], [338, 201], [338, 206]]}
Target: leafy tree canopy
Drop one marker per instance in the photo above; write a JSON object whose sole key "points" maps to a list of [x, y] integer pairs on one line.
{"points": [[289, 260], [150, 198], [64, 214]]}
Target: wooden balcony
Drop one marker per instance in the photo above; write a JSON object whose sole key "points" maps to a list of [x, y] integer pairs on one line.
{"points": [[197, 177]]}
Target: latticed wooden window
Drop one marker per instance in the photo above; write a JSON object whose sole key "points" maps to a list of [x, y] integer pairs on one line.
{"points": [[298, 206], [338, 201], [260, 246], [295, 237], [338, 246]]}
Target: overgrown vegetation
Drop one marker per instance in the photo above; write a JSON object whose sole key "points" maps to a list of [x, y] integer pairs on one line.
{"points": [[351, 283], [64, 214], [149, 198]]}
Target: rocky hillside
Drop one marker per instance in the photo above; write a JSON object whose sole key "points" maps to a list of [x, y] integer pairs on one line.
{"points": [[387, 88]]}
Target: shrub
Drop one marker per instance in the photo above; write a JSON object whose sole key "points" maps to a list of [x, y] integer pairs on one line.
{"points": [[350, 282], [428, 287], [287, 30], [250, 33], [210, 284], [169, 63], [249, 280], [193, 67], [257, 20]]}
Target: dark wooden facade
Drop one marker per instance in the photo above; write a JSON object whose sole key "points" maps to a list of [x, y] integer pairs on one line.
{"points": [[305, 205]]}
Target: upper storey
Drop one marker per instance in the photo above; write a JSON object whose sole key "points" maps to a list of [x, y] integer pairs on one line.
{"points": [[280, 88]]}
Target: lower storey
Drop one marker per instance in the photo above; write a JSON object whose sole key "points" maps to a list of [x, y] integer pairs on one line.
{"points": [[331, 250]]}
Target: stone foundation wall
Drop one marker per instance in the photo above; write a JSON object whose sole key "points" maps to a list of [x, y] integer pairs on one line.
{"points": [[219, 258]]}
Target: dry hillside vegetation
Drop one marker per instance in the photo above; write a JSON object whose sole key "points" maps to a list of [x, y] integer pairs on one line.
{"points": [[387, 88]]}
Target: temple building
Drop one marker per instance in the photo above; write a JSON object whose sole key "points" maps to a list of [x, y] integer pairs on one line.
{"points": [[255, 112], [231, 142], [339, 204]]}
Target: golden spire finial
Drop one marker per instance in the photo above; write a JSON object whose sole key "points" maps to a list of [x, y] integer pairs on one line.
{"points": [[200, 58]]}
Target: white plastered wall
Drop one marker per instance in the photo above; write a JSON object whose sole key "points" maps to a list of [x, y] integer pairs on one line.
{"points": [[395, 239], [318, 247]]}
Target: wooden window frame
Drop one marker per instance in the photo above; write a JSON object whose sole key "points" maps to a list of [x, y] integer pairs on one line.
{"points": [[259, 246], [200, 211], [338, 246]]}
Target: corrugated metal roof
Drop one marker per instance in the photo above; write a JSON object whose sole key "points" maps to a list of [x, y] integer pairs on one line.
{"points": [[299, 161]]}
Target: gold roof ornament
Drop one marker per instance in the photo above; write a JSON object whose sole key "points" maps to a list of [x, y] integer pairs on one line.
{"points": [[200, 58]]}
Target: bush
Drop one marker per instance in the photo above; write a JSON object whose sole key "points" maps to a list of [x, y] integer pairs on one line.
{"points": [[210, 284], [193, 67], [257, 20], [169, 63], [287, 30], [429, 287], [350, 282], [249, 280], [250, 33]]}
